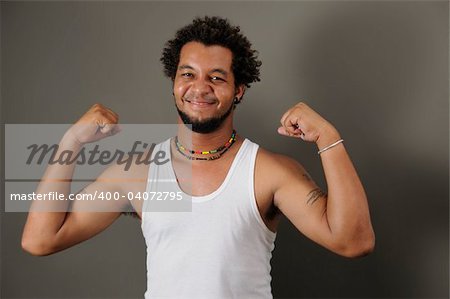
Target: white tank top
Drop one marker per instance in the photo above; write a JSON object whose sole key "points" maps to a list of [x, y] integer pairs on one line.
{"points": [[222, 249]]}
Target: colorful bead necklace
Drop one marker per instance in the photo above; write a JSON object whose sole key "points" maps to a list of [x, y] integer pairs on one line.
{"points": [[221, 150]]}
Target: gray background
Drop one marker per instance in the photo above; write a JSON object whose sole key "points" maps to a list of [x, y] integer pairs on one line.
{"points": [[377, 71]]}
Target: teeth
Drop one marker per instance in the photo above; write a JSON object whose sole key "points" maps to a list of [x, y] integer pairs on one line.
{"points": [[198, 103]]}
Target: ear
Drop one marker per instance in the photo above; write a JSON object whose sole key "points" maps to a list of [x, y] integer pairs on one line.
{"points": [[240, 90]]}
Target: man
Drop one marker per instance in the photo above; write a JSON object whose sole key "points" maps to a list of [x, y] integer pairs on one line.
{"points": [[222, 249]]}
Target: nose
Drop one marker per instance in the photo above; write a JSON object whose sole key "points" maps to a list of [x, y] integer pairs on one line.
{"points": [[201, 87]]}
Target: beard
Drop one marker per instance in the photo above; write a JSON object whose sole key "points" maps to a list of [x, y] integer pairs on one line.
{"points": [[204, 126]]}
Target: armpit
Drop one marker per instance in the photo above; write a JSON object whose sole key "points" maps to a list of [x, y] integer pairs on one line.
{"points": [[132, 214]]}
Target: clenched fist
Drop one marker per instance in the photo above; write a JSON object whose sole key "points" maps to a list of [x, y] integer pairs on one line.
{"points": [[303, 122], [97, 123]]}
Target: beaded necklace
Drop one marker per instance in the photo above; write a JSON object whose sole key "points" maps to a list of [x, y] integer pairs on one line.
{"points": [[220, 150]]}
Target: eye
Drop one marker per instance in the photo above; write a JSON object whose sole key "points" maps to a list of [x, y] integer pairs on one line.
{"points": [[215, 78], [186, 75]]}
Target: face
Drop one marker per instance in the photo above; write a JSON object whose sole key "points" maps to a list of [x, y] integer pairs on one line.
{"points": [[204, 86]]}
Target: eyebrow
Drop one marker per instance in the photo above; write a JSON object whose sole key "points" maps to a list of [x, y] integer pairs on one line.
{"points": [[220, 71], [216, 70], [185, 66]]}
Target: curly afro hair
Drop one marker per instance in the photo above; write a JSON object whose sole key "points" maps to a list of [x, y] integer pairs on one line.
{"points": [[215, 31]]}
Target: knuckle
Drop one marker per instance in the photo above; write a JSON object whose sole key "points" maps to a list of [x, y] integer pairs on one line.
{"points": [[103, 113], [111, 119], [301, 105], [106, 121], [114, 115]]}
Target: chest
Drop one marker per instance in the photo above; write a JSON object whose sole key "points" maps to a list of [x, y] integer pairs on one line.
{"points": [[201, 180], [204, 178]]}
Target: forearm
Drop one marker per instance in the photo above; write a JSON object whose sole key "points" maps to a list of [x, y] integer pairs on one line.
{"points": [[46, 217], [347, 207]]}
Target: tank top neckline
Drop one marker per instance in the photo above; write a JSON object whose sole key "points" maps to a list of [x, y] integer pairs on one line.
{"points": [[207, 197]]}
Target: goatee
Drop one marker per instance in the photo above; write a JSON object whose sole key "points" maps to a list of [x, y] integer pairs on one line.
{"points": [[205, 126]]}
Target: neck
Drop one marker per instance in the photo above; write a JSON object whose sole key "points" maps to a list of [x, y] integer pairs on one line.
{"points": [[209, 141]]}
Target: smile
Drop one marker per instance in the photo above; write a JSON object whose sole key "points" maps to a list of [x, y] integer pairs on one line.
{"points": [[200, 104]]}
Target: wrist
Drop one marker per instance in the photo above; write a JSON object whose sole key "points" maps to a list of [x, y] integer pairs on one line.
{"points": [[327, 137], [69, 140]]}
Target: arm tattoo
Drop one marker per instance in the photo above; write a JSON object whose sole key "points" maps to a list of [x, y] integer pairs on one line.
{"points": [[314, 195]]}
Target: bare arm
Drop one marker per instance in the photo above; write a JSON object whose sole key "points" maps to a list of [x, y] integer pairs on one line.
{"points": [[347, 209], [49, 228], [338, 219]]}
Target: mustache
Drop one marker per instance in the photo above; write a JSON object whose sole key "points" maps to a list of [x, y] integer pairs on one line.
{"points": [[194, 96]]}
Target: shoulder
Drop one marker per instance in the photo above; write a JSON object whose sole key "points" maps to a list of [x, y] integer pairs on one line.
{"points": [[276, 161], [277, 168]]}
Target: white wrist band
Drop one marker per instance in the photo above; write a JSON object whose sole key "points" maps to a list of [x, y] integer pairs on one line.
{"points": [[330, 146]]}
